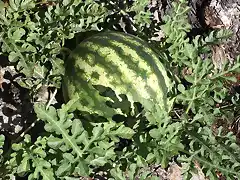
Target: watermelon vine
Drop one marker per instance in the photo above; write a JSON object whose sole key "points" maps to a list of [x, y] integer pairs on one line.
{"points": [[130, 101]]}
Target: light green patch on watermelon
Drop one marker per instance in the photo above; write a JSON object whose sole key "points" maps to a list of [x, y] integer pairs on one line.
{"points": [[122, 62]]}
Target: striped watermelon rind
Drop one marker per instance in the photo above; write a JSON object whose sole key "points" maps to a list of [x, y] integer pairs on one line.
{"points": [[122, 62]]}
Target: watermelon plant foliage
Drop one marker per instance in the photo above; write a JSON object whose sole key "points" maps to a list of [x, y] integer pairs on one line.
{"points": [[2, 138], [121, 141], [34, 32]]}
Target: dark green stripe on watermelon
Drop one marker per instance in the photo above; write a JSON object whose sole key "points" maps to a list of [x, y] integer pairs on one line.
{"points": [[124, 63]]}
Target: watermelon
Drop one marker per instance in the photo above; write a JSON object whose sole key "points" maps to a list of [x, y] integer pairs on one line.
{"points": [[119, 61]]}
